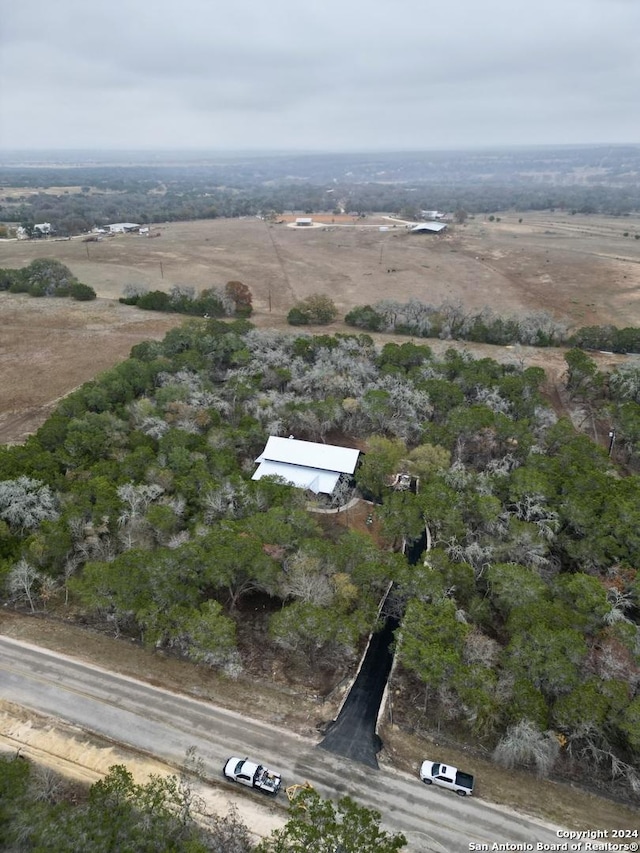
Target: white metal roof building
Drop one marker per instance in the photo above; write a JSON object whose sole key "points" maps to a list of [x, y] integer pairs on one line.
{"points": [[122, 227], [306, 464], [428, 227]]}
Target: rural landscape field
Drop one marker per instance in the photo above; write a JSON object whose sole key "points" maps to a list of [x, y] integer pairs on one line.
{"points": [[582, 269], [319, 427]]}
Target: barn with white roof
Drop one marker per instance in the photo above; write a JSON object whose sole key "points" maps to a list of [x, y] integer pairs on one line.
{"points": [[427, 228], [306, 464]]}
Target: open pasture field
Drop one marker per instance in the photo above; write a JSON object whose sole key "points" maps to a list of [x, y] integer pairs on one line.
{"points": [[581, 269], [49, 347]]}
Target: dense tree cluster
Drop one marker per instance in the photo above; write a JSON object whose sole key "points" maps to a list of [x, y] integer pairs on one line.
{"points": [[136, 503], [452, 322], [617, 395], [45, 277]]}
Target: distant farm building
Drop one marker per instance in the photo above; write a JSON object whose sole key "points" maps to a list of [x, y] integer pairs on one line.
{"points": [[304, 221], [123, 227], [431, 214], [306, 464], [427, 228]]}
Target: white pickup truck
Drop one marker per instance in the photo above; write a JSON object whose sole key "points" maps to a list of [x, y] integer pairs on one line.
{"points": [[435, 773], [252, 775]]}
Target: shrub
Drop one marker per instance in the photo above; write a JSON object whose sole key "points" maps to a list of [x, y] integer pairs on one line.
{"points": [[365, 317], [296, 317], [181, 299], [82, 292], [524, 745], [38, 289], [209, 303], [155, 300], [8, 278], [19, 285], [317, 309]]}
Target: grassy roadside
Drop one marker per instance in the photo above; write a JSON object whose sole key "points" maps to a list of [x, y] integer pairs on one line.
{"points": [[557, 803]]}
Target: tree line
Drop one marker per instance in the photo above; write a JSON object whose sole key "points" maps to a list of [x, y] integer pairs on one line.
{"points": [[235, 299], [451, 321], [259, 186]]}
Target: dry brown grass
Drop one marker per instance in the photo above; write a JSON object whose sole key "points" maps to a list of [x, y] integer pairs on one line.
{"points": [[48, 347], [579, 268]]}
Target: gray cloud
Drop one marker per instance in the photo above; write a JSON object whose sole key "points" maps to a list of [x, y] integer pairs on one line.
{"points": [[324, 75]]}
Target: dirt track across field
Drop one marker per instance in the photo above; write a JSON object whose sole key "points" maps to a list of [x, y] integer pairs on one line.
{"points": [[581, 269]]}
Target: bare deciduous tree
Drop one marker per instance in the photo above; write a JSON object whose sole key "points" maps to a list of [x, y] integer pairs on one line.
{"points": [[589, 745], [624, 383], [47, 786], [23, 583], [524, 745], [480, 649], [130, 291], [25, 503], [307, 579]]}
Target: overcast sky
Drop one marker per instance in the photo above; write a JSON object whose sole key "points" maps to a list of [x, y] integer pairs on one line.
{"points": [[334, 75]]}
